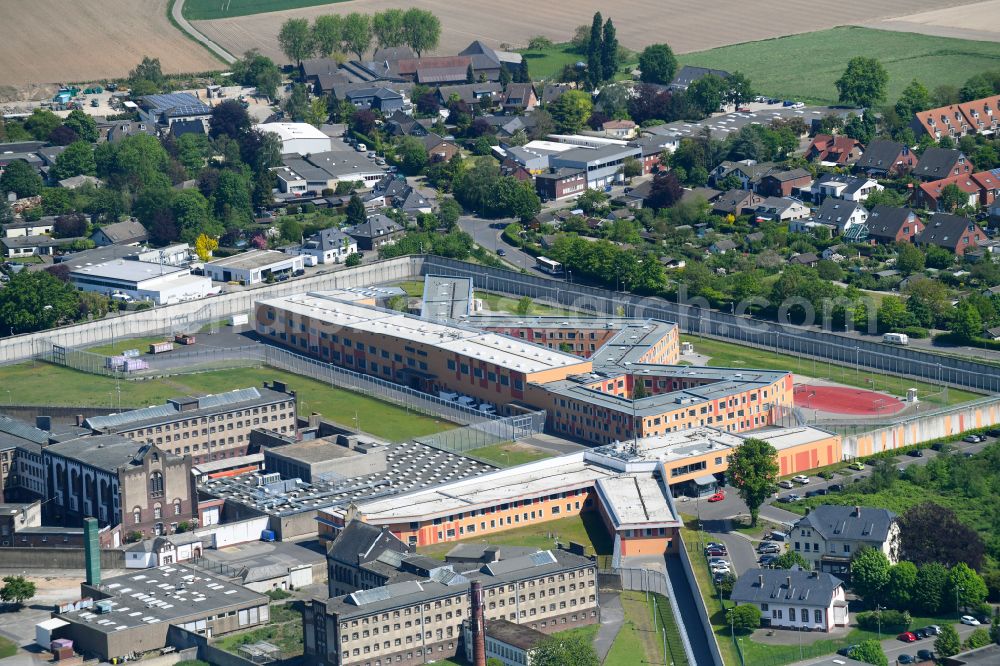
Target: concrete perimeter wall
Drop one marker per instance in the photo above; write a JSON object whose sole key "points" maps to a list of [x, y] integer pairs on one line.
{"points": [[230, 534], [56, 558]]}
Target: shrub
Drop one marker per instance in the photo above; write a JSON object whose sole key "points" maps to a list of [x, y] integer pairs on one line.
{"points": [[744, 618], [892, 620], [915, 331]]}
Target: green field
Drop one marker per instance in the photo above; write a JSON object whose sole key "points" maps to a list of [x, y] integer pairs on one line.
{"points": [[142, 344], [547, 64], [804, 67], [45, 384], [201, 10], [728, 355], [585, 528], [509, 454]]}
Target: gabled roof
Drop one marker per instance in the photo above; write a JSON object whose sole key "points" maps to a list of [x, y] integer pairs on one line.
{"points": [[791, 174], [553, 91], [944, 229], [846, 523], [964, 182], [938, 162], [837, 211], [483, 57], [376, 226], [360, 542], [795, 585], [880, 155], [830, 148], [327, 239], [885, 222], [988, 180], [517, 94], [129, 231], [472, 93], [689, 74]]}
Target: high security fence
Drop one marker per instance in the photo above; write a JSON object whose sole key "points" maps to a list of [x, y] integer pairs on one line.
{"points": [[807, 343], [487, 433]]}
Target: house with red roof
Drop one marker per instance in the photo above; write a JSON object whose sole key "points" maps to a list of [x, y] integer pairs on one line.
{"points": [[928, 195], [834, 150], [980, 116]]}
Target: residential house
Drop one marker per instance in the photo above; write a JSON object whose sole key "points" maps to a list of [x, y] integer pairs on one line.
{"points": [[75, 182], [830, 535], [619, 129], [115, 132], [834, 252], [560, 183], [311, 68], [748, 172], [330, 246], [928, 195], [707, 194], [886, 159], [736, 202], [689, 74], [989, 190], [804, 259], [976, 117], [938, 163], [400, 124], [193, 126], [519, 97], [842, 186], [887, 224], [793, 598], [129, 232], [29, 246], [39, 227], [438, 149], [435, 70], [483, 95], [834, 150], [784, 183], [722, 246], [553, 91], [382, 99], [952, 232], [781, 209], [376, 231], [840, 215], [414, 203], [486, 63]]}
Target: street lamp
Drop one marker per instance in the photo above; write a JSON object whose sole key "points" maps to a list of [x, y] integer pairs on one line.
{"points": [[857, 365], [878, 617]]}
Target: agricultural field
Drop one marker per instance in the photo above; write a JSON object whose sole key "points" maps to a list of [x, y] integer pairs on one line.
{"points": [[638, 23], [48, 41], [813, 61], [201, 10]]}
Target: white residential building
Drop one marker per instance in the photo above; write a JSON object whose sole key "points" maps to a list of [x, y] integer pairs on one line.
{"points": [[829, 536], [793, 598]]}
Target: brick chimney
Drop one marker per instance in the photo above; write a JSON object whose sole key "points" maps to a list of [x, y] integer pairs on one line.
{"points": [[478, 626]]}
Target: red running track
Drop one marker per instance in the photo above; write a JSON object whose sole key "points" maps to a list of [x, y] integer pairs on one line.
{"points": [[843, 400]]}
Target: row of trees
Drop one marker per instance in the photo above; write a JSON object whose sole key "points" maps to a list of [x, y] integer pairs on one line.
{"points": [[602, 51], [355, 33]]}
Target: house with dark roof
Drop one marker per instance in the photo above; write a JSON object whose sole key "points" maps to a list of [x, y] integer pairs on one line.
{"points": [[483, 95], [376, 231], [784, 183], [553, 91], [834, 150], [938, 163], [329, 246], [886, 159], [688, 74], [519, 97], [438, 148], [748, 172], [842, 186], [400, 124], [436, 70], [840, 215], [830, 535], [793, 598], [355, 546], [888, 224], [804, 259], [129, 232], [736, 202], [952, 232], [384, 100]]}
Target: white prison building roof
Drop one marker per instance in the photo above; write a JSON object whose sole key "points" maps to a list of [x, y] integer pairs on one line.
{"points": [[636, 502]]}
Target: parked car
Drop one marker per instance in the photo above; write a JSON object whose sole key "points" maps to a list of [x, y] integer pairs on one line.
{"points": [[921, 633], [907, 637], [846, 650], [835, 488], [933, 629], [969, 620], [791, 497], [785, 483], [916, 453], [993, 432], [718, 497], [857, 464], [714, 552], [904, 659], [501, 252], [714, 561], [925, 655], [972, 439], [767, 560], [769, 547], [715, 544], [720, 568], [800, 478]]}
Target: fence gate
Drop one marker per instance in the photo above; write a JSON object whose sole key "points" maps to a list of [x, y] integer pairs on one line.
{"points": [[522, 426], [59, 354]]}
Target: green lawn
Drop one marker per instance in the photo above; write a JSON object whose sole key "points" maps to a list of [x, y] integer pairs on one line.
{"points": [[198, 10], [729, 355], [7, 648], [547, 64], [510, 454], [494, 302], [804, 67], [586, 528], [142, 344], [45, 384], [640, 640]]}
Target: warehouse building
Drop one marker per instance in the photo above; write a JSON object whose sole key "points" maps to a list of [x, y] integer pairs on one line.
{"points": [[254, 267], [139, 280], [298, 138]]}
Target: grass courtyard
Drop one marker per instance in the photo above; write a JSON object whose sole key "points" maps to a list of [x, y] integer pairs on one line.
{"points": [[36, 383], [811, 62], [547, 64], [728, 355], [510, 454]]}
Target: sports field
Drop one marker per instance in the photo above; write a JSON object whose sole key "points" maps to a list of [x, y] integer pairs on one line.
{"points": [[804, 67], [201, 10]]}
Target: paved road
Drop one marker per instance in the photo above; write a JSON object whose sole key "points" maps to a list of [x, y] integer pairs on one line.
{"points": [[612, 618], [178, 16], [488, 234], [894, 647]]}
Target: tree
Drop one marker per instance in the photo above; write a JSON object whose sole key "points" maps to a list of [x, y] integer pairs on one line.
{"points": [[70, 226], [966, 322], [41, 123], [953, 197], [665, 191], [316, 113], [789, 559], [422, 30], [631, 167], [356, 32], [657, 64], [753, 471], [6, 212], [571, 111], [870, 652], [19, 177], [965, 587], [149, 71], [948, 643], [228, 119], [388, 28], [740, 90], [915, 97], [204, 246], [356, 211], [707, 93], [448, 212], [76, 160], [297, 104], [16, 589], [594, 70], [524, 305], [493, 661], [84, 125], [259, 71], [743, 618], [412, 155], [34, 301], [929, 593], [863, 83], [470, 74], [609, 52], [353, 259], [290, 229], [295, 40], [870, 574], [977, 639], [909, 258], [574, 651], [902, 584], [327, 34]]}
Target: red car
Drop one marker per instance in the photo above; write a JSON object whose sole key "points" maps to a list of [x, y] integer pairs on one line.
{"points": [[907, 637], [718, 497]]}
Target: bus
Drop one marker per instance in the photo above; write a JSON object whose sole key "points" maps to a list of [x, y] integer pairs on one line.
{"points": [[548, 265]]}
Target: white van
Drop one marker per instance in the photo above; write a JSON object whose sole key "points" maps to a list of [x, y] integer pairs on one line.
{"points": [[896, 339], [447, 395], [361, 148]]}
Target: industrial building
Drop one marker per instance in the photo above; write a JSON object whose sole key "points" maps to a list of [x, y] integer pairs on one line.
{"points": [[298, 138], [254, 267], [134, 613], [210, 427], [140, 280], [447, 298]]}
